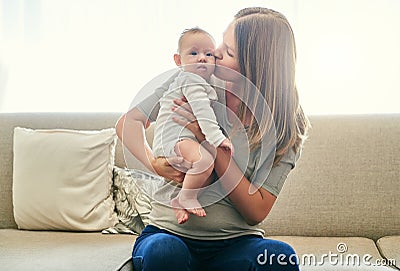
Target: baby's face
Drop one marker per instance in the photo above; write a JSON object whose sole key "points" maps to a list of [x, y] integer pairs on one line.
{"points": [[197, 54]]}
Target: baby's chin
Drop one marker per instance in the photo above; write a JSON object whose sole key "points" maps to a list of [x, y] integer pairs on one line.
{"points": [[205, 73]]}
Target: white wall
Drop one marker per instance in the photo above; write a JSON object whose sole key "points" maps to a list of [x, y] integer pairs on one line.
{"points": [[83, 55]]}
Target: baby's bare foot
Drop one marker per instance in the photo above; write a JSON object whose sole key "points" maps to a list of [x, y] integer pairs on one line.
{"points": [[192, 206], [181, 214]]}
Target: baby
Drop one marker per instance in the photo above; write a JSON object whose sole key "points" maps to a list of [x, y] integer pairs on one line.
{"points": [[196, 58]]}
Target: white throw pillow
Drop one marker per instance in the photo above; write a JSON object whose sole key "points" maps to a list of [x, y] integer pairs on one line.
{"points": [[63, 178]]}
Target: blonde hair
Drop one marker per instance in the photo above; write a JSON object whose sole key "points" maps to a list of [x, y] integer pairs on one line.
{"points": [[266, 52], [193, 30]]}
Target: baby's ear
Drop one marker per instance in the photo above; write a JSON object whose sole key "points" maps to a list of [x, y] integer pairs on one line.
{"points": [[177, 59]]}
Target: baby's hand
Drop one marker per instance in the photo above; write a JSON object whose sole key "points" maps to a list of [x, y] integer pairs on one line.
{"points": [[227, 145]]}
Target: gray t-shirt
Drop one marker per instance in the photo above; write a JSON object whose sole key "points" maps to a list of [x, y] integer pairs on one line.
{"points": [[222, 220]]}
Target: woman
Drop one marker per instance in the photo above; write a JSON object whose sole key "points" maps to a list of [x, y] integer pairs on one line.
{"points": [[258, 45]]}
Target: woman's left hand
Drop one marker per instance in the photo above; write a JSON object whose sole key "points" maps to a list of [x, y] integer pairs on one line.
{"points": [[170, 168], [187, 118]]}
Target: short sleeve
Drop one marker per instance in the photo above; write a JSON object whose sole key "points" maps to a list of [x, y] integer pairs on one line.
{"points": [[279, 173]]}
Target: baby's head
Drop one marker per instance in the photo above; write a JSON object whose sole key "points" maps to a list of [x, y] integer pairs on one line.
{"points": [[196, 52]]}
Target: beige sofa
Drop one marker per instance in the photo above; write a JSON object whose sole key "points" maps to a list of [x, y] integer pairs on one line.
{"points": [[339, 209]]}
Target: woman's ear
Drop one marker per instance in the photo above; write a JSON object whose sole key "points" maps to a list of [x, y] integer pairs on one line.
{"points": [[177, 59]]}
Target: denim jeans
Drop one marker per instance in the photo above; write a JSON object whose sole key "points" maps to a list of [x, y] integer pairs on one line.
{"points": [[156, 249]]}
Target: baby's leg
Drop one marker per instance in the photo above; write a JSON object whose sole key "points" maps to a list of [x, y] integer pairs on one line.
{"points": [[182, 215], [196, 177]]}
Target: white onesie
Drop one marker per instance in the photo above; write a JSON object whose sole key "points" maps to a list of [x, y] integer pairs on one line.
{"points": [[199, 94]]}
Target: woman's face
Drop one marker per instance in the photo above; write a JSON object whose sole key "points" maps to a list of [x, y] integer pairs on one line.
{"points": [[226, 57]]}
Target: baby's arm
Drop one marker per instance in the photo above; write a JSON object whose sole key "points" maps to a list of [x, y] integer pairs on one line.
{"points": [[198, 98]]}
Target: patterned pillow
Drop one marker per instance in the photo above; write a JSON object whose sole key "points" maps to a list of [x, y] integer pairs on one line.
{"points": [[133, 192]]}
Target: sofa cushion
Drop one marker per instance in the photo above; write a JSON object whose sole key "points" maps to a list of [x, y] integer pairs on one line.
{"points": [[63, 178], [389, 247], [44, 250], [335, 253]]}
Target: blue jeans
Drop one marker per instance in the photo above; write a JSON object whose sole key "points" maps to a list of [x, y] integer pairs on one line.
{"points": [[156, 249]]}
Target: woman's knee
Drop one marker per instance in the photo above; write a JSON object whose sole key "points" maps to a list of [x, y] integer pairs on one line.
{"points": [[161, 251], [278, 255]]}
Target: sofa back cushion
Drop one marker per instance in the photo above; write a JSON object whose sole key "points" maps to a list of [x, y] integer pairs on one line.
{"points": [[347, 181]]}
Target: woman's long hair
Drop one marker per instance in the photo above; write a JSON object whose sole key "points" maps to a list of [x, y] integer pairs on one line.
{"points": [[267, 57]]}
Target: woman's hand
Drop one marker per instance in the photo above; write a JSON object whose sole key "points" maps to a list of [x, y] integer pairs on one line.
{"points": [[171, 168], [187, 118]]}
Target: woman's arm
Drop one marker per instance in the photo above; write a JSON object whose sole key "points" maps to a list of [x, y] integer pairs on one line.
{"points": [[253, 207], [130, 130]]}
